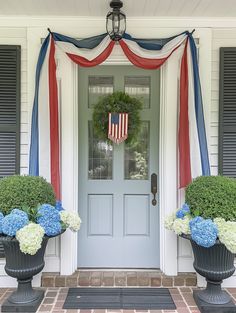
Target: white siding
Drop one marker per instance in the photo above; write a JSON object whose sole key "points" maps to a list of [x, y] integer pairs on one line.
{"points": [[220, 38], [17, 36]]}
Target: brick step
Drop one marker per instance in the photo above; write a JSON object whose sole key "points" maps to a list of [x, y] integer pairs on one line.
{"points": [[118, 278]]}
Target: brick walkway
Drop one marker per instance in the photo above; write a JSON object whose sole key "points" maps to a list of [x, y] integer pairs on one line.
{"points": [[54, 299]]}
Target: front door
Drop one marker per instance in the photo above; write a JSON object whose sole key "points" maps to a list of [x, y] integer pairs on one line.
{"points": [[120, 226]]}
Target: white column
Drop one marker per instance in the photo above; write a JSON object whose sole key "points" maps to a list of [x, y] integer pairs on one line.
{"points": [[69, 156]]}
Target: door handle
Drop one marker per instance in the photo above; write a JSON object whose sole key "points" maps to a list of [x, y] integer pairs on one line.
{"points": [[154, 188]]}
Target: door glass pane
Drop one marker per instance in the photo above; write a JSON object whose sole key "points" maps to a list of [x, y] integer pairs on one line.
{"points": [[139, 87], [100, 157], [137, 155], [98, 86]]}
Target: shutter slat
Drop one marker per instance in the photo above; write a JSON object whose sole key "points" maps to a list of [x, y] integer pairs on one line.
{"points": [[1, 251], [227, 114], [9, 84], [9, 113]]}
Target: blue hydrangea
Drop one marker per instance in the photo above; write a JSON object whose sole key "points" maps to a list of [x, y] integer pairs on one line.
{"points": [[180, 213], [204, 233], [185, 208], [183, 211], [58, 206], [51, 228], [48, 213], [49, 218], [195, 220], [1, 220], [19, 213], [11, 223]]}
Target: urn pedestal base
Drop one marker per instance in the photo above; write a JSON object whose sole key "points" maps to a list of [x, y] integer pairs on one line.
{"points": [[215, 263], [23, 267], [32, 306], [205, 307]]}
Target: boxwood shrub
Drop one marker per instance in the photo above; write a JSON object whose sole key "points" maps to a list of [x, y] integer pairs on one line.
{"points": [[212, 196], [24, 191]]}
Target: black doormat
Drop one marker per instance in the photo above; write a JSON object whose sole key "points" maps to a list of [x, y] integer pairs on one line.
{"points": [[119, 298]]}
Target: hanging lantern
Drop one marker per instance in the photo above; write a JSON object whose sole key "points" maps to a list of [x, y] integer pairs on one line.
{"points": [[116, 20]]}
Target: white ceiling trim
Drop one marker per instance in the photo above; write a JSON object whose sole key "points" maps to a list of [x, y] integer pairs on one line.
{"points": [[155, 8], [93, 22]]}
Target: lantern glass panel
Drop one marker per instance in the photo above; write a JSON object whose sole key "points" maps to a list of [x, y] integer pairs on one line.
{"points": [[116, 24]]}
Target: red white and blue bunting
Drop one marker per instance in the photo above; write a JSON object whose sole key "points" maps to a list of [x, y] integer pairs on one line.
{"points": [[145, 53]]}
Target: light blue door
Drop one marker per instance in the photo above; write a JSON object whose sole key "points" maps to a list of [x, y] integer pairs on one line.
{"points": [[120, 226]]}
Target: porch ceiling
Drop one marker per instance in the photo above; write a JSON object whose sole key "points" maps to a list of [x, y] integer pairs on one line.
{"points": [[132, 8]]}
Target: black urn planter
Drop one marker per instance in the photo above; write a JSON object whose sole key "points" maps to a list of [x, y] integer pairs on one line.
{"points": [[23, 267], [215, 264]]}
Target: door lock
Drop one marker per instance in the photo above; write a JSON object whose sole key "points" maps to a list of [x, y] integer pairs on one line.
{"points": [[154, 188]]}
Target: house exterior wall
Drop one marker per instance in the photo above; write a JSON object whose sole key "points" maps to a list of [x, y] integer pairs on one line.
{"points": [[18, 36], [220, 38], [28, 34]]}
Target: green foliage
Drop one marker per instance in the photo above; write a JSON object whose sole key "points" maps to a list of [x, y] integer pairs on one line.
{"points": [[141, 168], [212, 196], [24, 192], [118, 102], [31, 212]]}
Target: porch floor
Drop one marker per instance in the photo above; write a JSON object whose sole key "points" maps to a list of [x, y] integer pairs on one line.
{"points": [[54, 299]]}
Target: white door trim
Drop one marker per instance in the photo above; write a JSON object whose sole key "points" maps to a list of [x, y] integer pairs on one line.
{"points": [[167, 172], [168, 255]]}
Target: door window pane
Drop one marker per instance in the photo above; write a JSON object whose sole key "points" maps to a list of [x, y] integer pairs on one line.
{"points": [[139, 87], [99, 86], [137, 156], [100, 157]]}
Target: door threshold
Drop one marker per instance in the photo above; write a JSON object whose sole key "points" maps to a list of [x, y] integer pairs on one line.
{"points": [[97, 277]]}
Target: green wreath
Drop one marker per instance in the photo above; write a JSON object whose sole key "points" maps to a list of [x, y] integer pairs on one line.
{"points": [[117, 102]]}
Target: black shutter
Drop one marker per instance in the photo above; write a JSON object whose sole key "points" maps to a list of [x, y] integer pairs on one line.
{"points": [[10, 60], [227, 112]]}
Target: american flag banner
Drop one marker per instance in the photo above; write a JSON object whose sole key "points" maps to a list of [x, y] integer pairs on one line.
{"points": [[118, 127]]}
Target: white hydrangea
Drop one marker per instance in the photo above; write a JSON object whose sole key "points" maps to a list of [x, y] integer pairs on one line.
{"points": [[227, 233], [220, 223], [181, 226], [71, 220], [30, 238], [169, 221]]}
